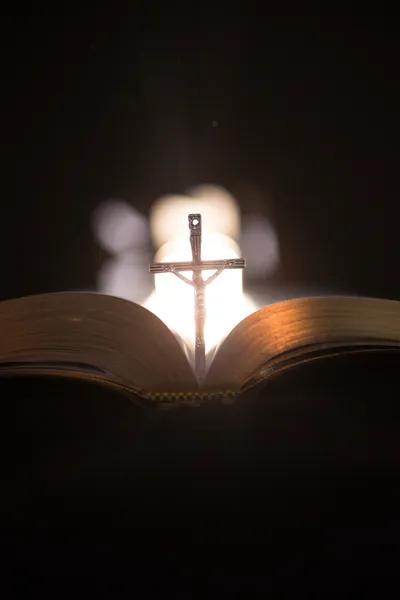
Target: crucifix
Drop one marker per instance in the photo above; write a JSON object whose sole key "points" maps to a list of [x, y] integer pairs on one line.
{"points": [[197, 266]]}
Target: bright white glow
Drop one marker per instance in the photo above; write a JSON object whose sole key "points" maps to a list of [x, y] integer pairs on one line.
{"points": [[220, 212], [119, 227], [173, 300]]}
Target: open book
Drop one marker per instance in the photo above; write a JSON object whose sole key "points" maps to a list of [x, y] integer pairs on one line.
{"points": [[123, 345]]}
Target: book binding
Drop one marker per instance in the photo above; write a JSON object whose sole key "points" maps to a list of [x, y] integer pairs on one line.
{"points": [[194, 398]]}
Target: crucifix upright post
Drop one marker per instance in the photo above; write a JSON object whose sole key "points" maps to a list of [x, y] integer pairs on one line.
{"points": [[199, 299], [197, 266]]}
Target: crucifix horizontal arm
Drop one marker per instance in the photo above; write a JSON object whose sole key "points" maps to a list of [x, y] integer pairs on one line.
{"points": [[173, 268], [204, 265]]}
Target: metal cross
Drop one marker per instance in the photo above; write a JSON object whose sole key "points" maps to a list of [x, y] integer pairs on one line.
{"points": [[197, 266]]}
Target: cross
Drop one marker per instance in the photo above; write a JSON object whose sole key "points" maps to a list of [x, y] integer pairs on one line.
{"points": [[197, 266]]}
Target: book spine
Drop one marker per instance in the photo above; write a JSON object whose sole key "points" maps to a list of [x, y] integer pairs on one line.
{"points": [[191, 398]]}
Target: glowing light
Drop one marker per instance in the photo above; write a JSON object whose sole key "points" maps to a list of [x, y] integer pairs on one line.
{"points": [[173, 300], [260, 246], [119, 227], [219, 209], [125, 234], [126, 276]]}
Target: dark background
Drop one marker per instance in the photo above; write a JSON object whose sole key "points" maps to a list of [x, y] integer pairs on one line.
{"points": [[121, 103]]}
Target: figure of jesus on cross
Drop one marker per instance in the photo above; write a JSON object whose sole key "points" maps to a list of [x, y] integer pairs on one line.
{"points": [[197, 266]]}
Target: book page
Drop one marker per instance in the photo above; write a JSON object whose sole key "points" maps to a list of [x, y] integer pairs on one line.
{"points": [[292, 330], [103, 336]]}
